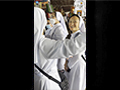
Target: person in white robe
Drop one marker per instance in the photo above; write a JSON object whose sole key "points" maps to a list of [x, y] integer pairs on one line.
{"points": [[45, 50], [76, 64], [58, 15], [57, 34]]}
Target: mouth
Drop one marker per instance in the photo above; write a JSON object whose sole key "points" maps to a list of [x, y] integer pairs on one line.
{"points": [[71, 27]]}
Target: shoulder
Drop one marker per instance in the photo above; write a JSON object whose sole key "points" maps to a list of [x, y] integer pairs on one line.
{"points": [[77, 33]]}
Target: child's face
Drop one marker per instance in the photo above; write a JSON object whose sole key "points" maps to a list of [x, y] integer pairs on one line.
{"points": [[74, 23]]}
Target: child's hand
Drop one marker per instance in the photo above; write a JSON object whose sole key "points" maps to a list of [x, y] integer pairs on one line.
{"points": [[66, 64]]}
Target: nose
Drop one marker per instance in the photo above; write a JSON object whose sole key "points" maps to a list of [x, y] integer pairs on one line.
{"points": [[72, 24]]}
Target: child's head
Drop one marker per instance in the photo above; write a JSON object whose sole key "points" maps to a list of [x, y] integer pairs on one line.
{"points": [[74, 23]]}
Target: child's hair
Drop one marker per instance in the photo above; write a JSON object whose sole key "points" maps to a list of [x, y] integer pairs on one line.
{"points": [[74, 15]]}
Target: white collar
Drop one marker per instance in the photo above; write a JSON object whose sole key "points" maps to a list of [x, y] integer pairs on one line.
{"points": [[73, 34]]}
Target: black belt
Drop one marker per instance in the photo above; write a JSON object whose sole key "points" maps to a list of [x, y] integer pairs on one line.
{"points": [[83, 58], [50, 77]]}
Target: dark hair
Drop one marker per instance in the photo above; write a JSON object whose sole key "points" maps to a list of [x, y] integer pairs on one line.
{"points": [[74, 15]]}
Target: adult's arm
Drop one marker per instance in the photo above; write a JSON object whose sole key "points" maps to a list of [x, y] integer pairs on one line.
{"points": [[58, 33], [52, 49]]}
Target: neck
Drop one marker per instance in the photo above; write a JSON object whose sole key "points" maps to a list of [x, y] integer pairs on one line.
{"points": [[74, 31]]}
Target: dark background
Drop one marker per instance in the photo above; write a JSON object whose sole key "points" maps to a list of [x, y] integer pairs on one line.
{"points": [[17, 40], [17, 44], [102, 45]]}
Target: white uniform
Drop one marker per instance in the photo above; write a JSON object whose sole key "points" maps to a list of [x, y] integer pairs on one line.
{"points": [[77, 74], [46, 49]]}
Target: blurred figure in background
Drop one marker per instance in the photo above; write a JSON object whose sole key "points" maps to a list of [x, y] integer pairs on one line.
{"points": [[65, 18], [51, 13]]}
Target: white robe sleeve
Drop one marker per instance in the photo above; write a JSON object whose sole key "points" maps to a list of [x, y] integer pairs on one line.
{"points": [[61, 63], [72, 61], [83, 29], [58, 33], [52, 49], [47, 33]]}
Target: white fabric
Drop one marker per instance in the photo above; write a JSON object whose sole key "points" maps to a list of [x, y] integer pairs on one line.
{"points": [[47, 32], [61, 19], [45, 50], [38, 29], [82, 25], [77, 75], [52, 21], [40, 81], [57, 33], [65, 18]]}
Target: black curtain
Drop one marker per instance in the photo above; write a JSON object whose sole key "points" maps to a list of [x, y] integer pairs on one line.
{"points": [[102, 45]]}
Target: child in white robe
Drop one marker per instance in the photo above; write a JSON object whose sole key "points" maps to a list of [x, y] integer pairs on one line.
{"points": [[76, 64]]}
